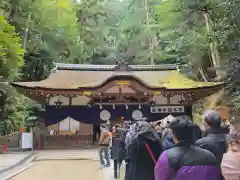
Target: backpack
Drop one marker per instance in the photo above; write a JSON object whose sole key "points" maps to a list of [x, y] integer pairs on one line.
{"points": [[107, 139]]}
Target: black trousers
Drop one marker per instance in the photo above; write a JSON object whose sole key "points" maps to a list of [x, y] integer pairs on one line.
{"points": [[116, 168]]}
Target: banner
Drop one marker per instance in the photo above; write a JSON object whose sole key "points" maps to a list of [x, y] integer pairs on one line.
{"points": [[27, 141]]}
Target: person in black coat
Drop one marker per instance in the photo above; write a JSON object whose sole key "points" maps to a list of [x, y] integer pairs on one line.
{"points": [[117, 151], [118, 148], [197, 133], [122, 149], [225, 127], [141, 160], [214, 139]]}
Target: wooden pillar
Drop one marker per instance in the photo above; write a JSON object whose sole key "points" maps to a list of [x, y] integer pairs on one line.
{"points": [[70, 101], [69, 118], [168, 99], [188, 111]]}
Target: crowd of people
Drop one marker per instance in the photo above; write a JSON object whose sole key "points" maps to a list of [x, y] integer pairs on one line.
{"points": [[180, 151]]}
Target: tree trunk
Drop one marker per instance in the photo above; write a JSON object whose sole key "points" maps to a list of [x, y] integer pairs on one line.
{"points": [[202, 74], [26, 33], [212, 46], [151, 46]]}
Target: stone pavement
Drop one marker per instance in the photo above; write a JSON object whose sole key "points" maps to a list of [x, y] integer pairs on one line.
{"points": [[62, 170], [59, 164], [80, 154], [7, 161], [108, 173], [66, 169]]}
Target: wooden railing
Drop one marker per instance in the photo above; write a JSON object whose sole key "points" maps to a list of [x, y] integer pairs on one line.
{"points": [[69, 140]]}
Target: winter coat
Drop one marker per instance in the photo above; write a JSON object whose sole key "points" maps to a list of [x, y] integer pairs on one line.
{"points": [[214, 141], [140, 164], [197, 133], [185, 162]]}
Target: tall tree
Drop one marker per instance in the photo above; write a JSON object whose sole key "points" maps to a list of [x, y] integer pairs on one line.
{"points": [[12, 112], [229, 39], [94, 31], [137, 33], [47, 26], [190, 28], [11, 53]]}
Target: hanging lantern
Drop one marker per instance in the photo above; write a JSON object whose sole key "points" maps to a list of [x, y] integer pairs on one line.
{"points": [[139, 106], [100, 106], [122, 118], [126, 106], [113, 106]]}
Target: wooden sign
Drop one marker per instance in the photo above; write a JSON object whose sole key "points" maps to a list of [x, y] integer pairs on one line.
{"points": [[87, 93], [122, 83], [156, 93], [167, 109]]}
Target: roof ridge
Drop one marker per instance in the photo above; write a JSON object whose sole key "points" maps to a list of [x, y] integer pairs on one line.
{"points": [[98, 67]]}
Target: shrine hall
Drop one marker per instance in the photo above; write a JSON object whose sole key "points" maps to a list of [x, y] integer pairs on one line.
{"points": [[76, 95]]}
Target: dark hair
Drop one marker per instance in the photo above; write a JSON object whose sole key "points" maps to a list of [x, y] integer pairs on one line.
{"points": [[159, 123], [183, 130], [118, 130], [105, 126], [212, 118], [117, 126]]}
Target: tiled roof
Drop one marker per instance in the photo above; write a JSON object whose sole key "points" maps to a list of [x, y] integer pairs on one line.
{"points": [[75, 76]]}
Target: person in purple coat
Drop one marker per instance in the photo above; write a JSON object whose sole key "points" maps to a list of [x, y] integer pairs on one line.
{"points": [[186, 161]]}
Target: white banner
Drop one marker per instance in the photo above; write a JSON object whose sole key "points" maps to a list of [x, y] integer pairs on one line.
{"points": [[27, 141]]}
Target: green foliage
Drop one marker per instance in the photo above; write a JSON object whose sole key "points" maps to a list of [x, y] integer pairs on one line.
{"points": [[193, 28], [198, 35], [137, 34], [11, 59], [14, 113], [230, 49], [38, 65], [11, 53], [94, 30], [45, 26]]}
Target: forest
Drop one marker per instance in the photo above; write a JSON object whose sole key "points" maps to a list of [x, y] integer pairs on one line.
{"points": [[199, 35]]}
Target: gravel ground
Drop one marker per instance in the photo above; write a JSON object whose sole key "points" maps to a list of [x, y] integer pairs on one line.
{"points": [[62, 170]]}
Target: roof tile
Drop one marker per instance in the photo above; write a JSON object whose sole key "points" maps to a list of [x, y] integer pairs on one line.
{"points": [[69, 76]]}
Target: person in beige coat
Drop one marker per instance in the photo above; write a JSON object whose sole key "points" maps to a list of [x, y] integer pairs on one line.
{"points": [[230, 165]]}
